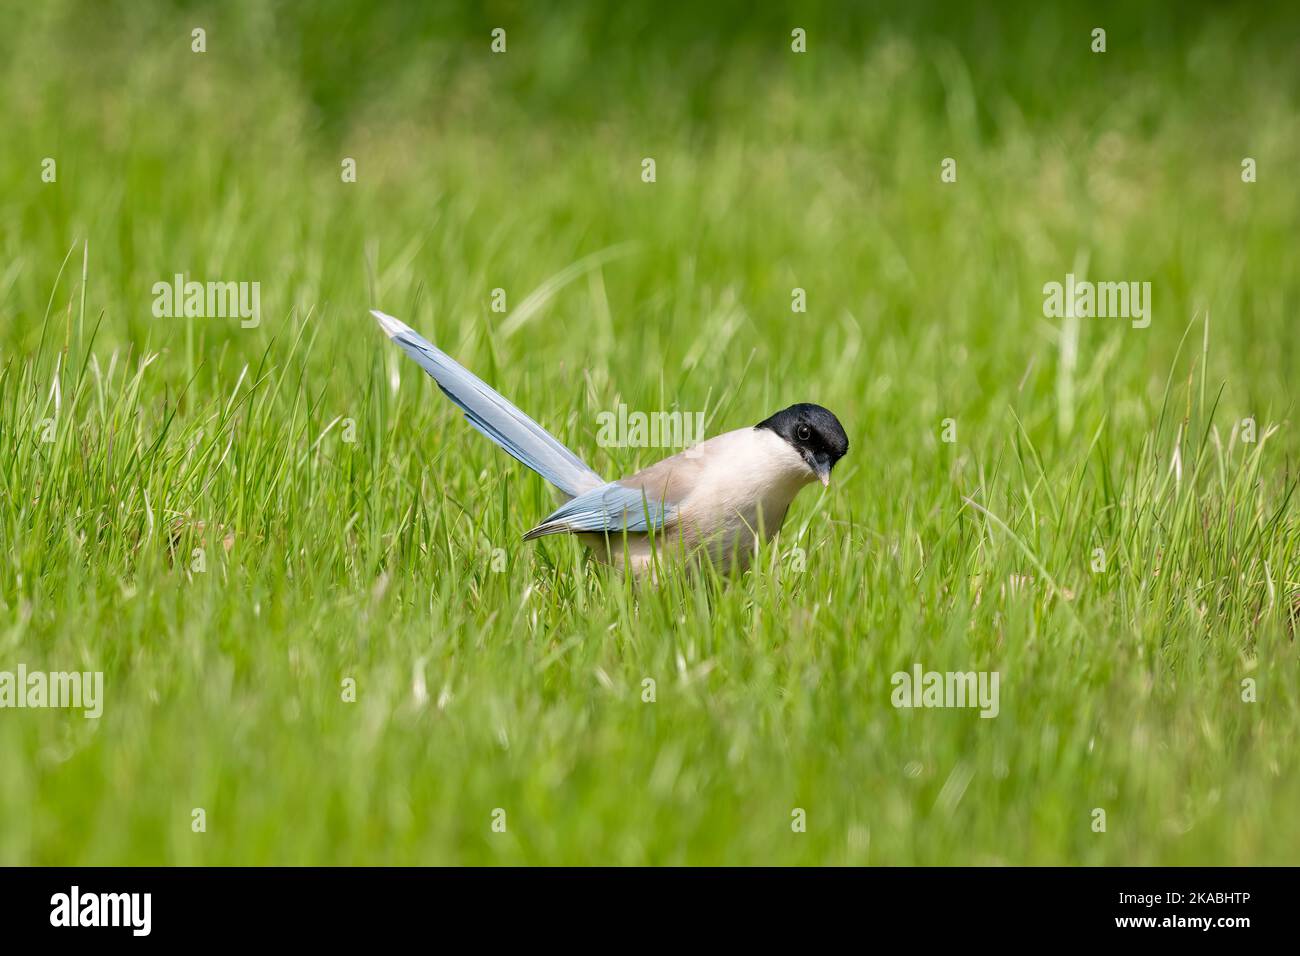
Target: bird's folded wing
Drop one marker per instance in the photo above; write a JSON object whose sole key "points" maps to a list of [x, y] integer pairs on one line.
{"points": [[492, 415], [611, 508]]}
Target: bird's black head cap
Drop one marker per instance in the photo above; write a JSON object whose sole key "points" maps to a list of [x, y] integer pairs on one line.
{"points": [[814, 432]]}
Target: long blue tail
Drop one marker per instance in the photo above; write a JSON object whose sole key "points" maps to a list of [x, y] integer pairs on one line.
{"points": [[492, 415]]}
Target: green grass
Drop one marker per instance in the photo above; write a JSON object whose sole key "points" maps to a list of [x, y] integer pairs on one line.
{"points": [[521, 688]]}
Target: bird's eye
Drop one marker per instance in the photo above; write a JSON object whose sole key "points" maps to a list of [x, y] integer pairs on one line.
{"points": [[803, 433]]}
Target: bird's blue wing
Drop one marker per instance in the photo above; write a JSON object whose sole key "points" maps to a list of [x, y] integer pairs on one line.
{"points": [[492, 415], [610, 508]]}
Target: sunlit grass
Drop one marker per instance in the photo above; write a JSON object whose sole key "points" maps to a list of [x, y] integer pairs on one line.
{"points": [[176, 441]]}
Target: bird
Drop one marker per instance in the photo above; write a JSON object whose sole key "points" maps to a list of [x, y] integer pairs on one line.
{"points": [[715, 501]]}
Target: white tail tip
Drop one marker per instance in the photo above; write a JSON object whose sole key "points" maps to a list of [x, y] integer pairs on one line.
{"points": [[392, 327]]}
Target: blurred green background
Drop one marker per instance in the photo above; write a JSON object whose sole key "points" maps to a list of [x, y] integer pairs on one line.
{"points": [[522, 689]]}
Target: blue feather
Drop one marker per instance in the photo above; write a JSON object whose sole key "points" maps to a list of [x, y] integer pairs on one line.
{"points": [[492, 415], [609, 508]]}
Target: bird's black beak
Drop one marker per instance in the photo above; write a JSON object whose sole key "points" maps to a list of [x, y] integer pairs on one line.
{"points": [[821, 466]]}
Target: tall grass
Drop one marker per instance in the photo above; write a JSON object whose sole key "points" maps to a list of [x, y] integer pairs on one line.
{"points": [[492, 674]]}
